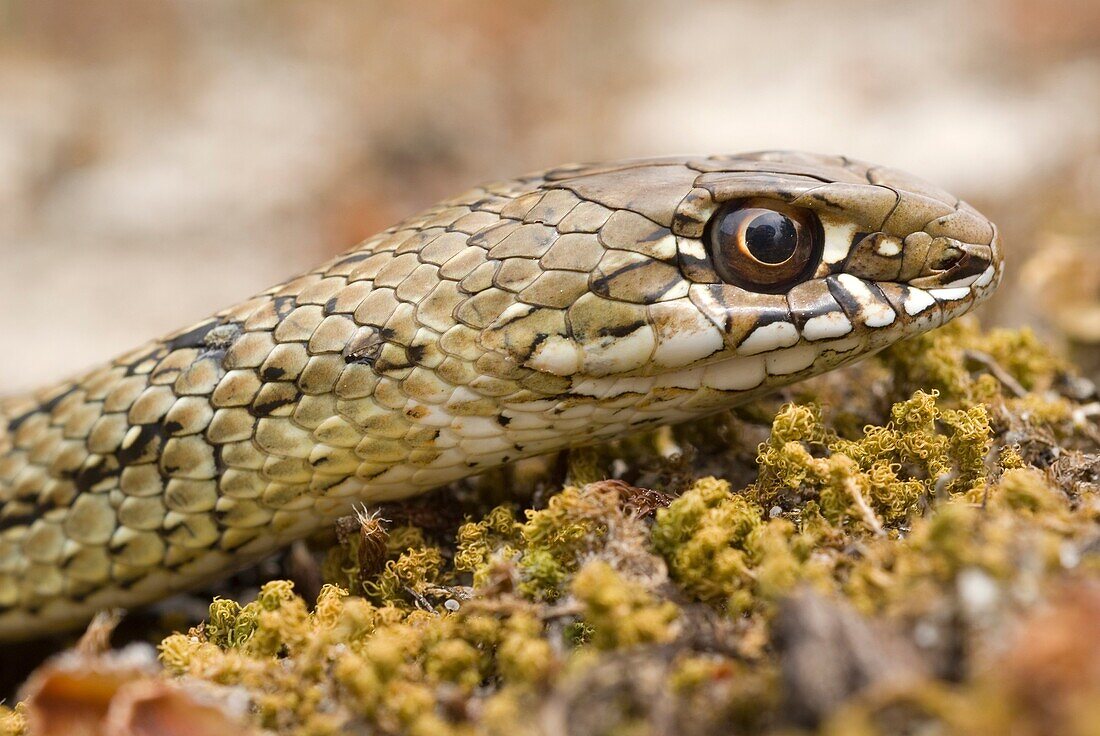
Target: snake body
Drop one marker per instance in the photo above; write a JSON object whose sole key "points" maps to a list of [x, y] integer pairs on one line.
{"points": [[517, 319]]}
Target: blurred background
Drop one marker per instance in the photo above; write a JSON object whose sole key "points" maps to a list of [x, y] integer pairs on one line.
{"points": [[161, 159]]}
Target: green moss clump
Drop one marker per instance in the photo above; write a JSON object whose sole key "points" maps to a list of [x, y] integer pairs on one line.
{"points": [[477, 542], [620, 613], [883, 477], [706, 536], [556, 539], [1010, 370], [938, 360]]}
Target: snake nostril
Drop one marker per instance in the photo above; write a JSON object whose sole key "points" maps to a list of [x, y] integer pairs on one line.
{"points": [[948, 258]]}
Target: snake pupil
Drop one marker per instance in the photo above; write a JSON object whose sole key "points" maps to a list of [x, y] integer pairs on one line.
{"points": [[764, 245], [771, 238]]}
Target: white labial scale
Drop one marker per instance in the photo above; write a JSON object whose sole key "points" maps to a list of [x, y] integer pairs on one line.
{"points": [[950, 295], [986, 278], [684, 336], [557, 355], [827, 326], [953, 309], [846, 345], [918, 300], [791, 360], [838, 241], [620, 354], [736, 374], [964, 283], [927, 320], [769, 337], [876, 313]]}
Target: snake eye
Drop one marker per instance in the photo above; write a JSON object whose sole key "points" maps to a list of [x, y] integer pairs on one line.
{"points": [[763, 245]]}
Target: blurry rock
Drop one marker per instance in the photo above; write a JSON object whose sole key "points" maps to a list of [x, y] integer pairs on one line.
{"points": [[120, 694], [1051, 670], [829, 653], [156, 708], [1064, 278]]}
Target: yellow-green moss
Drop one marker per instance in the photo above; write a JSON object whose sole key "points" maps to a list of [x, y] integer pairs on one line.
{"points": [[890, 471], [498, 534], [704, 535], [13, 721], [556, 539], [620, 613], [938, 360], [903, 501]]}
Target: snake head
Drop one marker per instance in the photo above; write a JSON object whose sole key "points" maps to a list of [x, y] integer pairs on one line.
{"points": [[729, 275]]}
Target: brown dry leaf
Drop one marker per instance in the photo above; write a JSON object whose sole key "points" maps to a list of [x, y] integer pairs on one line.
{"points": [[642, 501], [119, 694]]}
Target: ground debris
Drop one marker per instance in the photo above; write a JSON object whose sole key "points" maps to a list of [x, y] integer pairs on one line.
{"points": [[829, 653]]}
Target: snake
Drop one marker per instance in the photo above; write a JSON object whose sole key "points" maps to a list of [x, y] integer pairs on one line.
{"points": [[520, 318]]}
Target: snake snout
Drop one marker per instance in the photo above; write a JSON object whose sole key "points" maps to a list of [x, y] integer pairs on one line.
{"points": [[952, 264]]}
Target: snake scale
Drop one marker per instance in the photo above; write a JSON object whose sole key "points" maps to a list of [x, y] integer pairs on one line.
{"points": [[517, 319]]}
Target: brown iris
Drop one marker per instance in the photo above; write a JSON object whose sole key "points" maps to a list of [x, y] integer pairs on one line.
{"points": [[763, 245]]}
